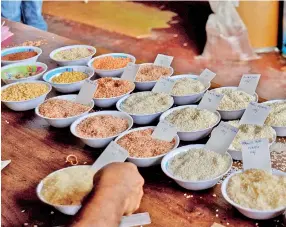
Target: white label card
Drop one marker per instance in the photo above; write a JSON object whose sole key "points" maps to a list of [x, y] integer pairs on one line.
{"points": [[255, 114], [206, 76], [248, 83], [256, 154], [221, 138], [163, 60], [210, 101], [164, 85], [5, 163], [112, 153], [164, 131], [130, 72], [86, 92], [135, 220]]}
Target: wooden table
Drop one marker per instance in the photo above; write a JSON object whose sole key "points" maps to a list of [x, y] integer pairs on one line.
{"points": [[37, 149]]}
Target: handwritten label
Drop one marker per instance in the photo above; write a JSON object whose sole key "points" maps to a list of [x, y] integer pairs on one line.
{"points": [[5, 163], [86, 92], [206, 76], [163, 60], [248, 83], [112, 153], [221, 138], [164, 131], [256, 154], [130, 72], [164, 85], [135, 220], [255, 114], [210, 101]]}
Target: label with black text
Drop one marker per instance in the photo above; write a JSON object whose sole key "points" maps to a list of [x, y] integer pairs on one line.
{"points": [[164, 85], [163, 60], [248, 83], [210, 101], [206, 76], [86, 92], [164, 131], [255, 114]]}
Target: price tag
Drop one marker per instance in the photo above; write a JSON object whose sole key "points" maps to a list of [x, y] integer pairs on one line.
{"points": [[130, 72], [164, 85], [221, 138], [164, 131], [163, 60], [135, 220], [206, 76], [256, 154], [112, 153], [210, 101], [248, 83], [217, 225], [255, 114], [86, 92], [5, 163]]}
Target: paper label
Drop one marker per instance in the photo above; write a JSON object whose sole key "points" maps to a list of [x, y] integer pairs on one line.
{"points": [[5, 163], [206, 76], [217, 225], [255, 114], [112, 153], [135, 220], [164, 85], [221, 138], [130, 72], [164, 131], [86, 92], [163, 60], [248, 83], [256, 154], [210, 101]]}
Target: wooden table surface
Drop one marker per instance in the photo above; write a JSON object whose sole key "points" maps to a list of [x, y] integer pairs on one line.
{"points": [[37, 149]]}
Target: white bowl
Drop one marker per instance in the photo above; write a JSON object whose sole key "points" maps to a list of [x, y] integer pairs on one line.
{"points": [[141, 119], [188, 99], [82, 61], [191, 135], [21, 49], [232, 114], [67, 87], [150, 161], [100, 142], [191, 185], [65, 209], [27, 104], [108, 102], [111, 72], [148, 85], [280, 130], [248, 212], [67, 121]]}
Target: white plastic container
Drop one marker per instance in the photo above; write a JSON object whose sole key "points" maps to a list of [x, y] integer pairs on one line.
{"points": [[27, 104], [151, 161], [248, 212], [82, 61], [100, 142], [111, 72], [14, 50], [191, 135], [64, 122], [190, 185]]}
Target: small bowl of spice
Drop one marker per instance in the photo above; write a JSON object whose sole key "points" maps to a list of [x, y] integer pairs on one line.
{"points": [[23, 72], [73, 55], [148, 74], [27, 54], [99, 129], [111, 65], [110, 90], [22, 96], [144, 150], [195, 168], [68, 79], [62, 111], [256, 193]]}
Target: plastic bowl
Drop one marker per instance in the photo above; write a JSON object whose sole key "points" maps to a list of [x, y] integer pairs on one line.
{"points": [[100, 142], [232, 114], [142, 119], [188, 99], [148, 85], [67, 87], [14, 50], [191, 135], [64, 122], [111, 72], [82, 61], [151, 161], [248, 212], [191, 185], [27, 104]]}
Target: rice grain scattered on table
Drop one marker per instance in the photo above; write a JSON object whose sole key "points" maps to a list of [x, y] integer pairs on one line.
{"points": [[110, 62], [72, 54], [152, 73], [69, 77]]}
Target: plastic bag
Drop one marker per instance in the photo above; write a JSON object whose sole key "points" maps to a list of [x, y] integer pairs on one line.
{"points": [[227, 36]]}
